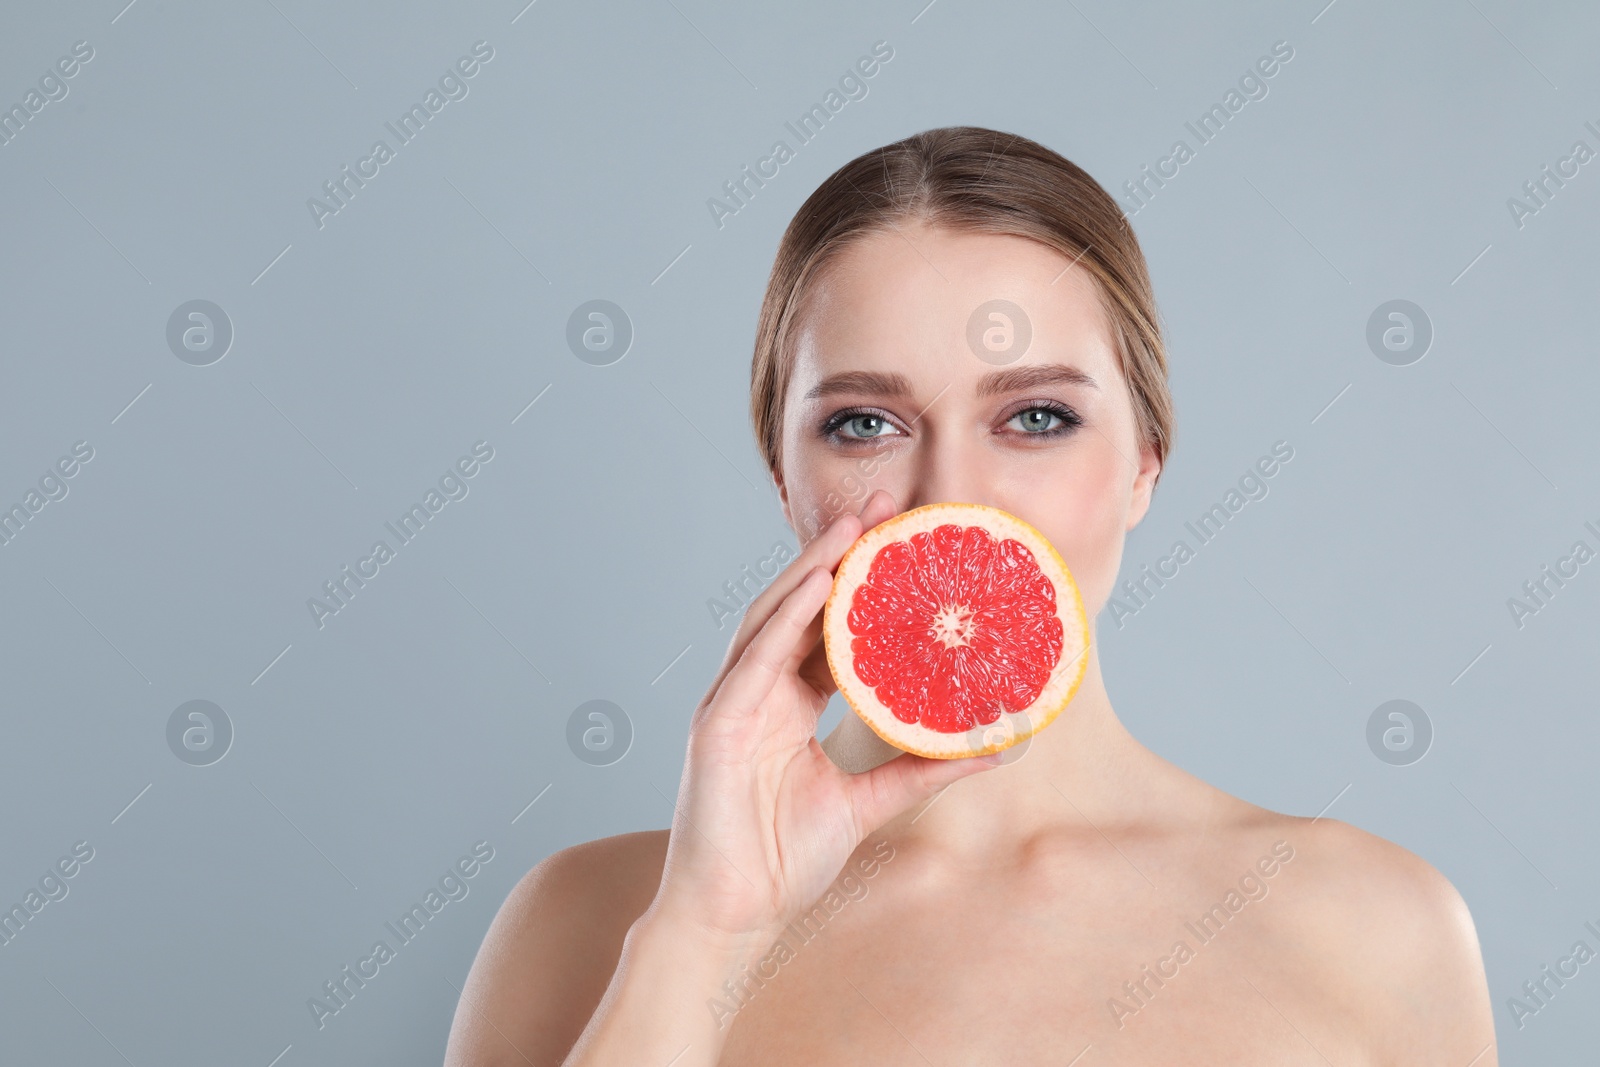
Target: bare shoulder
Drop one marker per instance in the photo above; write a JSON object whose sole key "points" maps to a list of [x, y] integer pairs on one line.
{"points": [[1385, 903], [552, 949], [1394, 940]]}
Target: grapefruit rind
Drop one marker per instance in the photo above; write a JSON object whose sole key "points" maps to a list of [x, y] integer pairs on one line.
{"points": [[1013, 727]]}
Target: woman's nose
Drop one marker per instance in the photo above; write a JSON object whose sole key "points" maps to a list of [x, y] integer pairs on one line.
{"points": [[946, 472]]}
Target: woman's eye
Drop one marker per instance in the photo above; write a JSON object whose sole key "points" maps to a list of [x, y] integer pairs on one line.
{"points": [[865, 426], [1037, 421]]}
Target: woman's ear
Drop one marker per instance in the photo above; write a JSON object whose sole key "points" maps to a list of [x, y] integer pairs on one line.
{"points": [[1144, 485], [783, 496]]}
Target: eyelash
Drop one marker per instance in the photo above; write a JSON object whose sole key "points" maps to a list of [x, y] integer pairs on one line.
{"points": [[1070, 421]]}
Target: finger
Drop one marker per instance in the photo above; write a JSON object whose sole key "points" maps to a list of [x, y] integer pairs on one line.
{"points": [[771, 650], [815, 670], [826, 551], [885, 791], [878, 507]]}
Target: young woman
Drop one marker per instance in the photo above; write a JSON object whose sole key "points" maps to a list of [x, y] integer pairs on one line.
{"points": [[1083, 901]]}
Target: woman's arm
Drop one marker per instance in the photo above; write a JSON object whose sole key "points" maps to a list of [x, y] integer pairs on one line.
{"points": [[577, 951], [658, 1007], [1396, 934], [763, 822]]}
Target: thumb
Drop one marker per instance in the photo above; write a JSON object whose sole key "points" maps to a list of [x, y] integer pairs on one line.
{"points": [[885, 791]]}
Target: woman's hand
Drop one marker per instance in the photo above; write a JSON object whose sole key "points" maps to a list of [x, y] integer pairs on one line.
{"points": [[764, 819]]}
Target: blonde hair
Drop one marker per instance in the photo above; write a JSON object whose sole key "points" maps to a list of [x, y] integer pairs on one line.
{"points": [[979, 180]]}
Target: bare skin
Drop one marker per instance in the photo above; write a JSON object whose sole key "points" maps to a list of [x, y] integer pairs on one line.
{"points": [[963, 913]]}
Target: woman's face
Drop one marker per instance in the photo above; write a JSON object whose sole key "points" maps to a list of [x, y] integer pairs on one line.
{"points": [[903, 381]]}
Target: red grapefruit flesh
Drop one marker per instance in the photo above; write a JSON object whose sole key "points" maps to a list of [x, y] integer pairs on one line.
{"points": [[955, 630]]}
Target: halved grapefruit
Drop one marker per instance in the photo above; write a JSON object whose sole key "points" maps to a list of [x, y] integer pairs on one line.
{"points": [[955, 630]]}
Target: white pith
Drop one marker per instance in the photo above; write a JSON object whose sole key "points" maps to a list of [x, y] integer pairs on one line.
{"points": [[952, 626]]}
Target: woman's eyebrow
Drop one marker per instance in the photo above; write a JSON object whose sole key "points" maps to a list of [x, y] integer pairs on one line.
{"points": [[898, 385], [1033, 376], [861, 381]]}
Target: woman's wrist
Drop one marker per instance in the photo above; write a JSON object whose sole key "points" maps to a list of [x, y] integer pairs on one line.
{"points": [[676, 933]]}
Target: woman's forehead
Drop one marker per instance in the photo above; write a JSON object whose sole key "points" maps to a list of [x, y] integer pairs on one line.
{"points": [[948, 304]]}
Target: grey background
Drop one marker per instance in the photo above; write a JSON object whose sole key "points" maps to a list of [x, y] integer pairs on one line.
{"points": [[371, 353]]}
